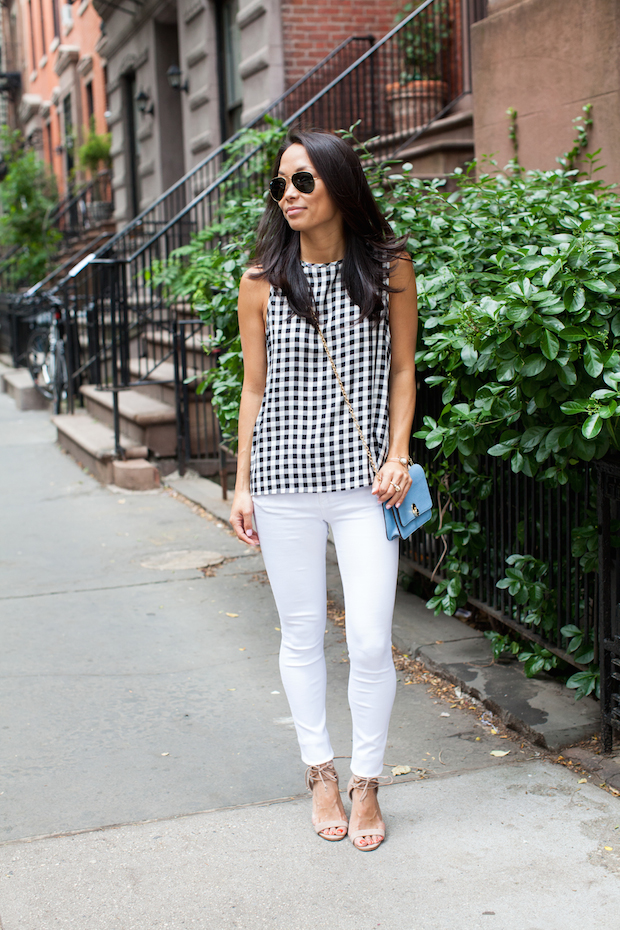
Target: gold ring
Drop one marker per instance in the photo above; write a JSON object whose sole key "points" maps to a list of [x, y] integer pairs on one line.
{"points": [[395, 486]]}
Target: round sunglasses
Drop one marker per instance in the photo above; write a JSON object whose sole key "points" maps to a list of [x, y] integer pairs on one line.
{"points": [[302, 180]]}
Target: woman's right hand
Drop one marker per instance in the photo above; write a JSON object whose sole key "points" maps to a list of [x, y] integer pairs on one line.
{"points": [[241, 518]]}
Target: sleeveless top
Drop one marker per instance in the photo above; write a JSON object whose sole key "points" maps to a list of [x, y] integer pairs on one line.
{"points": [[304, 438]]}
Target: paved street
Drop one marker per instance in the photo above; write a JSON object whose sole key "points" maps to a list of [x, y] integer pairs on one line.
{"points": [[150, 773]]}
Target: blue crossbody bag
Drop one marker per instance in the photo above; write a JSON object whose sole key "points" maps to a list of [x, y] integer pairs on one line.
{"points": [[417, 507]]}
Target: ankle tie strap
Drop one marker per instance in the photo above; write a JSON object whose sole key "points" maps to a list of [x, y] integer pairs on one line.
{"points": [[324, 772], [367, 784]]}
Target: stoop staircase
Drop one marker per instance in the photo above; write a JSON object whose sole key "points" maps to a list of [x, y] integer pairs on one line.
{"points": [[133, 356]]}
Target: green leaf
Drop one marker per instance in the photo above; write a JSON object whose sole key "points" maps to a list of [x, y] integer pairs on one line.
{"points": [[566, 373], [551, 272], [574, 406], [534, 365], [532, 437], [450, 443], [592, 426], [600, 287], [571, 630], [454, 587], [500, 448], [469, 356], [573, 334], [593, 360], [505, 370], [519, 313], [550, 344]]}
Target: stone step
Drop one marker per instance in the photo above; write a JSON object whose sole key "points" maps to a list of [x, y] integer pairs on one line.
{"points": [[141, 369], [18, 384], [145, 420], [448, 143], [91, 443], [160, 343], [438, 157]]}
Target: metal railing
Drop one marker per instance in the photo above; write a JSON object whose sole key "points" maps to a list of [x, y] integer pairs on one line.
{"points": [[518, 515], [608, 513], [112, 295], [149, 223], [86, 208]]}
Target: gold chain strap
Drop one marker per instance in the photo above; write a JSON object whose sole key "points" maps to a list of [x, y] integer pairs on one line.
{"points": [[344, 394]]}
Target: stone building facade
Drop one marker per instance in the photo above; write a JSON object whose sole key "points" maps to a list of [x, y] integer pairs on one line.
{"points": [[547, 59], [230, 59]]}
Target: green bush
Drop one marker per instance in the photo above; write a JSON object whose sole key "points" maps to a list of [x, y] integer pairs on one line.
{"points": [[207, 272], [518, 280], [27, 195]]}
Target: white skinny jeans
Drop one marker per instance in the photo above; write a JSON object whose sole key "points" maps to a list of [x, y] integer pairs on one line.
{"points": [[292, 529]]}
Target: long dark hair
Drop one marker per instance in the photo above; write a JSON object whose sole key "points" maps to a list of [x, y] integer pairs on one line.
{"points": [[369, 240]]}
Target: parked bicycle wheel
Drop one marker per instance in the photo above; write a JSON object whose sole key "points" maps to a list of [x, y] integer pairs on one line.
{"points": [[41, 362]]}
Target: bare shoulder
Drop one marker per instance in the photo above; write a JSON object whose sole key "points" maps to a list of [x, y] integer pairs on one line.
{"points": [[253, 290], [402, 274]]}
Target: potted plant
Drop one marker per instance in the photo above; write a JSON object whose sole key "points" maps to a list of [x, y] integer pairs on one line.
{"points": [[421, 90], [92, 155]]}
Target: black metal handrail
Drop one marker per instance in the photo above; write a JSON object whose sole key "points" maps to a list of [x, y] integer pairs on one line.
{"points": [[85, 208], [395, 129], [340, 102]]}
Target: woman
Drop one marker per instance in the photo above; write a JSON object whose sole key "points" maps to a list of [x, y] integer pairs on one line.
{"points": [[325, 255]]}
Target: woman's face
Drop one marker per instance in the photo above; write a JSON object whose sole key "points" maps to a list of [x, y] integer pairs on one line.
{"points": [[305, 212]]}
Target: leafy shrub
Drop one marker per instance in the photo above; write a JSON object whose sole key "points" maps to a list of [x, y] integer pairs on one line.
{"points": [[28, 195], [96, 150], [207, 272], [518, 281]]}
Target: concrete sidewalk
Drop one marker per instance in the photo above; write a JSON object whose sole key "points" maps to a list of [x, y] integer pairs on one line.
{"points": [[512, 848], [149, 769]]}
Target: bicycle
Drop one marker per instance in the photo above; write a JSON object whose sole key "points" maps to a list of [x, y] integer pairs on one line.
{"points": [[45, 354]]}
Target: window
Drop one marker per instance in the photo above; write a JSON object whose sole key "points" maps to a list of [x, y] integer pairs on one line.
{"points": [[56, 18], [43, 43], [231, 89], [69, 141], [32, 48], [132, 146], [105, 88], [48, 137], [90, 104]]}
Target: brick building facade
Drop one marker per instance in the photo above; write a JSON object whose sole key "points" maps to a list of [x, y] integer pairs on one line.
{"points": [[63, 81]]}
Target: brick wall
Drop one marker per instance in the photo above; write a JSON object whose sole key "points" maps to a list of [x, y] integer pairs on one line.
{"points": [[312, 28]]}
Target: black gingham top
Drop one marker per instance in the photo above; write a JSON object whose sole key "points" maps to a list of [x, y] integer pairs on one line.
{"points": [[304, 437]]}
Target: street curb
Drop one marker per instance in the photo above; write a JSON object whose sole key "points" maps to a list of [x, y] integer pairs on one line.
{"points": [[606, 768]]}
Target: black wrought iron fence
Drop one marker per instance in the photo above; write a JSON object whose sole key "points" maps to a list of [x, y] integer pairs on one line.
{"points": [[609, 597], [517, 516]]}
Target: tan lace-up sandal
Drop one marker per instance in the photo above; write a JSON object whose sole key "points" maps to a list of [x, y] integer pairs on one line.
{"points": [[324, 773], [366, 785]]}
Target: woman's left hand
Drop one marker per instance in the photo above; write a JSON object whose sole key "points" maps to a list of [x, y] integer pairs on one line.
{"points": [[391, 484]]}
